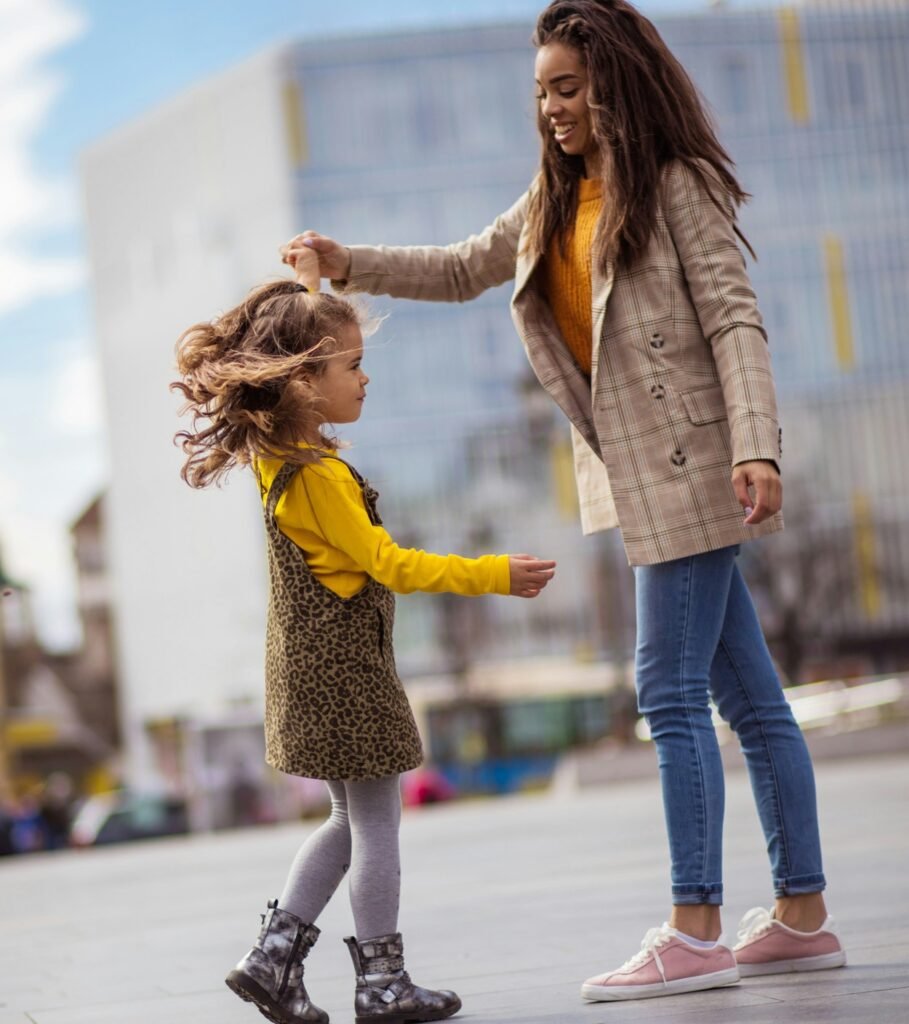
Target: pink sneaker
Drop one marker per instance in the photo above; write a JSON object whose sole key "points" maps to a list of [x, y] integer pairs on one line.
{"points": [[666, 964], [767, 946]]}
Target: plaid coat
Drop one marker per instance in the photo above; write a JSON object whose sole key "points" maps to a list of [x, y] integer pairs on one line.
{"points": [[681, 388]]}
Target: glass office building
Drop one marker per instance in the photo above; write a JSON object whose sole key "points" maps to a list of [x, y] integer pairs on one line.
{"points": [[424, 138]]}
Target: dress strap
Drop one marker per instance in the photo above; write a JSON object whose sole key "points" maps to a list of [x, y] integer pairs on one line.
{"points": [[279, 485], [361, 480]]}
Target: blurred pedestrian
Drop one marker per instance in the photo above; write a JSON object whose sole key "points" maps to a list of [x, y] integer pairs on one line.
{"points": [[633, 303], [7, 819], [263, 382], [56, 810], [26, 834]]}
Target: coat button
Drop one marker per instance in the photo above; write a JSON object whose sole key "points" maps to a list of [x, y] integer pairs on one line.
{"points": [[658, 391], [677, 458], [657, 340]]}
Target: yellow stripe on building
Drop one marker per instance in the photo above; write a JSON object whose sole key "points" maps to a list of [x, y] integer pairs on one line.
{"points": [[30, 732], [838, 294], [869, 584], [794, 65], [295, 124]]}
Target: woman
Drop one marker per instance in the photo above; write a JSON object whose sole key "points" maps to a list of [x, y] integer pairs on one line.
{"points": [[635, 309]]}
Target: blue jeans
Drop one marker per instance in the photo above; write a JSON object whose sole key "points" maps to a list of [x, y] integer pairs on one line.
{"points": [[699, 637]]}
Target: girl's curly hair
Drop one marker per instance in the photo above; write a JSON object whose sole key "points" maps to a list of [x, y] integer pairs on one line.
{"points": [[246, 377]]}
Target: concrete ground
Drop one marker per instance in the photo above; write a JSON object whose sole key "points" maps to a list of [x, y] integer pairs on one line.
{"points": [[512, 902]]}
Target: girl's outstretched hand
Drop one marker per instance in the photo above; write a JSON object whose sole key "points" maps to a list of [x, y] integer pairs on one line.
{"points": [[334, 259], [529, 575]]}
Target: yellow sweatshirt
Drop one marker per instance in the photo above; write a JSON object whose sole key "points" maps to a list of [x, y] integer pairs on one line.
{"points": [[323, 513], [568, 278]]}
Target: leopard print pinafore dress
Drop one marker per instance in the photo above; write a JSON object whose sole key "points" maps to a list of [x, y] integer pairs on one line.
{"points": [[334, 706]]}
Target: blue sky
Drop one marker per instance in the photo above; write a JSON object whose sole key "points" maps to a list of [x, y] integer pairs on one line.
{"points": [[70, 72]]}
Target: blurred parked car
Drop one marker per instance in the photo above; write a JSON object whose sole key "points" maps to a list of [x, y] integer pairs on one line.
{"points": [[425, 785], [119, 817]]}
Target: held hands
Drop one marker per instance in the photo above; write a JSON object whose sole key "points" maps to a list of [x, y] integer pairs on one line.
{"points": [[333, 258], [759, 489], [529, 575]]}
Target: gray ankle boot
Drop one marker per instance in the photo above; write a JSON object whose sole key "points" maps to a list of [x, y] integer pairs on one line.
{"points": [[271, 973], [385, 994]]}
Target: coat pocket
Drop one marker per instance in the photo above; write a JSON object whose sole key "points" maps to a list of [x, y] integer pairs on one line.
{"points": [[705, 405]]}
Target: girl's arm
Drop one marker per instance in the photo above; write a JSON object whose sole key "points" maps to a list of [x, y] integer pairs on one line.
{"points": [[335, 500], [449, 273]]}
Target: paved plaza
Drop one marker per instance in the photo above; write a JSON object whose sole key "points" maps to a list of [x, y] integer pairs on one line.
{"points": [[512, 902]]}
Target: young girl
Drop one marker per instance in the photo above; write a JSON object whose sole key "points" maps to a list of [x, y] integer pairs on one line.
{"points": [[637, 315], [263, 382]]}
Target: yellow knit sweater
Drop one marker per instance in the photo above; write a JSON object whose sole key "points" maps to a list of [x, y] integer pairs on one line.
{"points": [[567, 277]]}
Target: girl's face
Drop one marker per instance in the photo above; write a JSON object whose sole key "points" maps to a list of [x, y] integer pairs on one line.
{"points": [[341, 381], [562, 86]]}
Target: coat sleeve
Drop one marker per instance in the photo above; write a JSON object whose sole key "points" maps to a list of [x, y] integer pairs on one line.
{"points": [[440, 273], [725, 303]]}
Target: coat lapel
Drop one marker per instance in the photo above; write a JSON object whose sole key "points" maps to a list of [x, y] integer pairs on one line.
{"points": [[549, 356], [524, 267], [601, 287]]}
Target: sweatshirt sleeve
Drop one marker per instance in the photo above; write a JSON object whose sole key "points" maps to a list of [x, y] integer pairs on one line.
{"points": [[335, 500]]}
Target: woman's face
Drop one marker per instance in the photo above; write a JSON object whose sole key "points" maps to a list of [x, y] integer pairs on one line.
{"points": [[562, 93]]}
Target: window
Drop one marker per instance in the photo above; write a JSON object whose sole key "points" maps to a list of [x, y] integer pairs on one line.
{"points": [[845, 85], [734, 84]]}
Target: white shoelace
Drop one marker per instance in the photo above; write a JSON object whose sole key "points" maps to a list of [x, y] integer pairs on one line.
{"points": [[651, 942], [754, 923]]}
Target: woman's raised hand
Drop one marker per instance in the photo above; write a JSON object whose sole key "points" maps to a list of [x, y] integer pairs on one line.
{"points": [[334, 258], [529, 575], [306, 269]]}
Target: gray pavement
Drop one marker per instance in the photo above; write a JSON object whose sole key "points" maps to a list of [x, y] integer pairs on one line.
{"points": [[512, 902]]}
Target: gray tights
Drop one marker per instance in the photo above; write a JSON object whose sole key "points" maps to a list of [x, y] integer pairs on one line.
{"points": [[361, 833]]}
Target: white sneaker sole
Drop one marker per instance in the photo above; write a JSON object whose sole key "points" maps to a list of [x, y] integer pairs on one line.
{"points": [[613, 993], [802, 963]]}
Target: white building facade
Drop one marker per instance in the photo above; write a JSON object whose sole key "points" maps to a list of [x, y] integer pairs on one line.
{"points": [[185, 209]]}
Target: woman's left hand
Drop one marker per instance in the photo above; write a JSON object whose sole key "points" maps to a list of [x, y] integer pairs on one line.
{"points": [[759, 489]]}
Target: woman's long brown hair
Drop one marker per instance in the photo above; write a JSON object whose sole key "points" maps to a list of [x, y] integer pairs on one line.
{"points": [[246, 377], [645, 113]]}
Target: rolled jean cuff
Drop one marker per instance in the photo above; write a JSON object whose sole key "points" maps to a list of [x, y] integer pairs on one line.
{"points": [[799, 885], [692, 895]]}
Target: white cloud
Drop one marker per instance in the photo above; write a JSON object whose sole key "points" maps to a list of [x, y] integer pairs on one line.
{"points": [[30, 32], [75, 391]]}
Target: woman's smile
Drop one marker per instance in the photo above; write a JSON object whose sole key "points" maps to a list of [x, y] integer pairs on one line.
{"points": [[563, 131]]}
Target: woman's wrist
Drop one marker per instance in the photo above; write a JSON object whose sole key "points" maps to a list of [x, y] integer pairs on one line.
{"points": [[346, 274]]}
